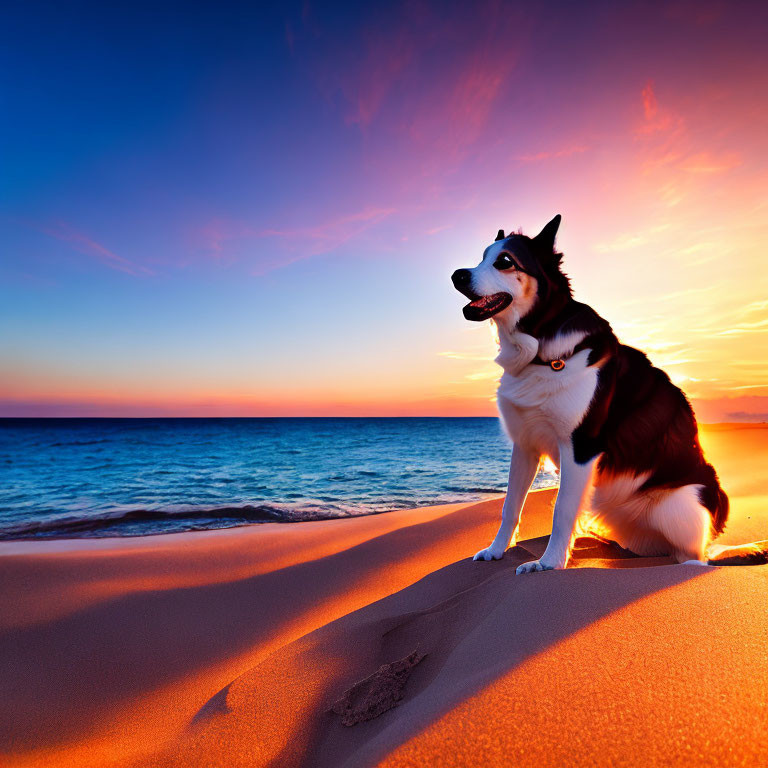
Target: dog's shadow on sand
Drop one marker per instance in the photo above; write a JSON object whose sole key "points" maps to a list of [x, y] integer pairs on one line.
{"points": [[486, 623], [472, 622]]}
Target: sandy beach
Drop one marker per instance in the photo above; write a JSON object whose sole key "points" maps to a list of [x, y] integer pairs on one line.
{"points": [[254, 646]]}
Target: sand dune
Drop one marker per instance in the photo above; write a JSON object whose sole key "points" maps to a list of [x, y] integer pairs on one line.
{"points": [[231, 648]]}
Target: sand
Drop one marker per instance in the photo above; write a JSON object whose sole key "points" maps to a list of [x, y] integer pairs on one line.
{"points": [[377, 641]]}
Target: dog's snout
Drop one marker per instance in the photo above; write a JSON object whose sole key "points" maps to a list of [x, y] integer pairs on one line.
{"points": [[462, 282], [461, 278]]}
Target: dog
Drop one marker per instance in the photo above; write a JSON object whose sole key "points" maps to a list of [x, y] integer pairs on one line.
{"points": [[623, 435]]}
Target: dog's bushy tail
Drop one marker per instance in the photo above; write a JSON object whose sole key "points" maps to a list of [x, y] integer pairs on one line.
{"points": [[714, 498], [745, 554]]}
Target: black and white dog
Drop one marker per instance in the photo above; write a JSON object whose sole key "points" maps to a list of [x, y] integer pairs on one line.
{"points": [[624, 437]]}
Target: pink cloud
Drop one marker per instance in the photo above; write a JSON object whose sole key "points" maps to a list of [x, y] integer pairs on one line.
{"points": [[551, 155], [214, 236], [650, 102], [450, 123], [303, 242], [386, 60], [331, 234], [415, 87], [656, 119], [669, 144], [221, 238], [709, 162], [89, 247]]}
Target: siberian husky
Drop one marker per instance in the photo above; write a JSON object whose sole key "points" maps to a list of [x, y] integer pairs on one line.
{"points": [[622, 434]]}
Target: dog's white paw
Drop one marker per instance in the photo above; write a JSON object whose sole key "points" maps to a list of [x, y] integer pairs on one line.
{"points": [[490, 553], [534, 565]]}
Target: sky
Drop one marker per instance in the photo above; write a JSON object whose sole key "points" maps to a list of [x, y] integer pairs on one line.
{"points": [[224, 209]]}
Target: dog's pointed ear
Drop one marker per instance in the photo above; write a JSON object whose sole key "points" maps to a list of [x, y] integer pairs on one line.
{"points": [[500, 236], [545, 240]]}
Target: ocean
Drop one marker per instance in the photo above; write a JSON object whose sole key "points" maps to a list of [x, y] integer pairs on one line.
{"points": [[130, 477]]}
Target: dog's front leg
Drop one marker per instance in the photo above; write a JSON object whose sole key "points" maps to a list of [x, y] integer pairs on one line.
{"points": [[522, 470], [575, 480]]}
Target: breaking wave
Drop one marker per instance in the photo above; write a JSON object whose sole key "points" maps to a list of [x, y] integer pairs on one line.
{"points": [[140, 522]]}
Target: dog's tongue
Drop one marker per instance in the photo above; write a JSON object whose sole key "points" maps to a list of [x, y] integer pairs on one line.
{"points": [[487, 306]]}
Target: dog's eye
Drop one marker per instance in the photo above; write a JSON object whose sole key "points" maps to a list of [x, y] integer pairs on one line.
{"points": [[504, 261]]}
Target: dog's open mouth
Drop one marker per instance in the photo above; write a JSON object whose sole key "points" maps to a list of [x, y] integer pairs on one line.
{"points": [[487, 306]]}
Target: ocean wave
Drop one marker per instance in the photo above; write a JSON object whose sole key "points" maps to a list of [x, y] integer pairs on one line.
{"points": [[68, 443], [471, 489], [144, 521]]}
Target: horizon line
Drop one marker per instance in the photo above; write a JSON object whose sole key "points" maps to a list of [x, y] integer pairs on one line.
{"points": [[330, 416]]}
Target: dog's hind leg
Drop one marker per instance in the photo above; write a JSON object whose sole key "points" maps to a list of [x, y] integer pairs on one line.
{"points": [[685, 523], [522, 470]]}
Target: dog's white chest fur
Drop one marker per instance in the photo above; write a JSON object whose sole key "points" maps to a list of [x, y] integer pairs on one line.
{"points": [[541, 407]]}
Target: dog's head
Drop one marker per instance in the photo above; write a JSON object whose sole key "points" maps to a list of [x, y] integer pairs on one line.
{"points": [[516, 274]]}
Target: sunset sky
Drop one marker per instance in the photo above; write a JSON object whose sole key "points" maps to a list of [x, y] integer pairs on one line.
{"points": [[240, 211]]}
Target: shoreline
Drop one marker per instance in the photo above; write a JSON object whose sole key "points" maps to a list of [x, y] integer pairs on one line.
{"points": [[373, 513], [105, 542]]}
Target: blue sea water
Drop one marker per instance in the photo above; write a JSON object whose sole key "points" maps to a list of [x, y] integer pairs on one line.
{"points": [[126, 477]]}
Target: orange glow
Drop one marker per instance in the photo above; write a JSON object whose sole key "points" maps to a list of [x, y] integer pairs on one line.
{"points": [[547, 465]]}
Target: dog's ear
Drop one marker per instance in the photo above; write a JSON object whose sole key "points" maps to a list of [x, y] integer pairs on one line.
{"points": [[545, 240], [500, 236]]}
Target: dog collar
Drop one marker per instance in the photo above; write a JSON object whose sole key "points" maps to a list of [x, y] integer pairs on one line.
{"points": [[595, 342], [556, 365]]}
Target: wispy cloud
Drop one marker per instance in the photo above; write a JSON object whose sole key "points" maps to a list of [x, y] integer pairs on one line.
{"points": [[628, 240], [488, 375], [654, 119], [385, 63], [462, 356], [709, 163], [86, 245], [330, 234], [450, 123], [669, 144], [404, 80], [435, 230], [554, 154], [224, 240], [756, 328], [214, 236], [754, 306]]}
